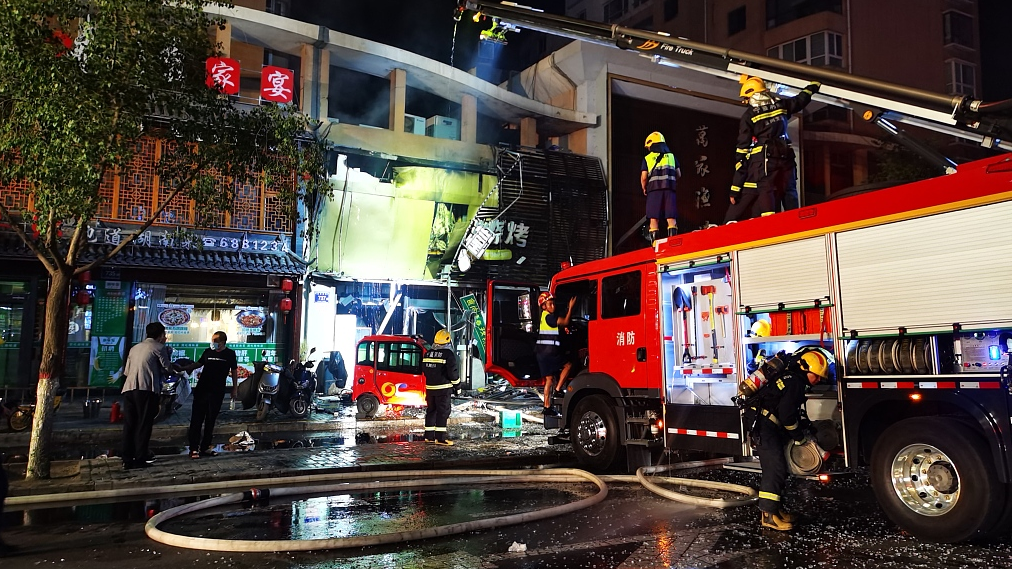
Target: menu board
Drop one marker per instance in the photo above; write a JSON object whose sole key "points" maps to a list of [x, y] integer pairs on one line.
{"points": [[175, 317], [108, 333]]}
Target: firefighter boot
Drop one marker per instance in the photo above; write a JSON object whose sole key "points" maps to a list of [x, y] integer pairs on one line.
{"points": [[672, 231], [787, 517], [774, 521], [653, 236]]}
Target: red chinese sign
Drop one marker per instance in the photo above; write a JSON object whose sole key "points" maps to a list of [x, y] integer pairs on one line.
{"points": [[277, 84], [223, 74]]}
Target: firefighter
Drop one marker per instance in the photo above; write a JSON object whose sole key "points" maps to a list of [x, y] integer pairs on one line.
{"points": [[658, 175], [548, 351], [764, 157], [440, 368], [778, 421]]}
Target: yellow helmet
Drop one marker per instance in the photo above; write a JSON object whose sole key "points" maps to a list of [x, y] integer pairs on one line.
{"points": [[653, 138], [750, 85], [442, 337], [761, 328], [816, 362]]}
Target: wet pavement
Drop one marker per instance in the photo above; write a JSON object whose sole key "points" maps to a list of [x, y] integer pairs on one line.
{"points": [[840, 524]]}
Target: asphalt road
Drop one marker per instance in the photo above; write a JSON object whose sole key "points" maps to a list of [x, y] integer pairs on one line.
{"points": [[840, 527]]}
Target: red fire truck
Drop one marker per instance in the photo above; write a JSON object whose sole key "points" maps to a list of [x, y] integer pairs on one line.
{"points": [[908, 287]]}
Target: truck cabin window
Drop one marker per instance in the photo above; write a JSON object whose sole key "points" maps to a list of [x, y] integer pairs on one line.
{"points": [[620, 295]]}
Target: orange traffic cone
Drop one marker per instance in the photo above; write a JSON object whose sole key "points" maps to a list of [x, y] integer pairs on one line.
{"points": [[115, 415]]}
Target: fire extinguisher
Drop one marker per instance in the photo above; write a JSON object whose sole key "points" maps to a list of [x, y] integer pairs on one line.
{"points": [[115, 414]]}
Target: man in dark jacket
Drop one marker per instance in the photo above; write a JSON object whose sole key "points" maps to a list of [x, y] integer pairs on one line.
{"points": [[218, 362], [441, 378], [764, 157], [778, 422]]}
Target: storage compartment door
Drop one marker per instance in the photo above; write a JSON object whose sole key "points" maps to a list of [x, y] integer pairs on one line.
{"points": [[793, 273], [928, 273]]}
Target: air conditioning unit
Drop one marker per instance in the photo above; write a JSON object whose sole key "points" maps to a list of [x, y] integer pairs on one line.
{"points": [[442, 127], [414, 124]]}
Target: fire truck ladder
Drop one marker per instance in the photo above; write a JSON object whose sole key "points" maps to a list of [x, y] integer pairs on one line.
{"points": [[877, 102]]}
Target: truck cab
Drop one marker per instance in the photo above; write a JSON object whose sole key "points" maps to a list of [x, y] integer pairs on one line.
{"points": [[388, 371]]}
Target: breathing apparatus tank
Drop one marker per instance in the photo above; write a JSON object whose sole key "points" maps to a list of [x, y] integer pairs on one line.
{"points": [[769, 370]]}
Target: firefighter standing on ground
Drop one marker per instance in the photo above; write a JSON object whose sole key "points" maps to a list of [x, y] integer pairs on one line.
{"points": [[440, 368], [658, 176], [548, 351], [764, 157], [778, 422]]}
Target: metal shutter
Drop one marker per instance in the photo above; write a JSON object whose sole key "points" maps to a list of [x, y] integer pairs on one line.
{"points": [[929, 272], [792, 273]]}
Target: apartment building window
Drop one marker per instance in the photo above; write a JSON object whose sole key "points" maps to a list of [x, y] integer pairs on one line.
{"points": [[277, 7], [736, 20], [820, 49], [958, 28], [780, 12], [961, 77], [637, 3], [670, 10], [614, 10]]}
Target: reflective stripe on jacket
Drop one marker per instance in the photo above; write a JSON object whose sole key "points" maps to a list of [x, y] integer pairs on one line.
{"points": [[661, 171]]}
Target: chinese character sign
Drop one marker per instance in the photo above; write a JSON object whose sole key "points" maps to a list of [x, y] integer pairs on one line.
{"points": [[223, 74], [276, 84]]}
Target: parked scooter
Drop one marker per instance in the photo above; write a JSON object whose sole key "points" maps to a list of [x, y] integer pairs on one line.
{"points": [[271, 390], [303, 386], [175, 388], [20, 417]]}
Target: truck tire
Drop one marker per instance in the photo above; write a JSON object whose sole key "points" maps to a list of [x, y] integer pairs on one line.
{"points": [[594, 433], [367, 405], [934, 478]]}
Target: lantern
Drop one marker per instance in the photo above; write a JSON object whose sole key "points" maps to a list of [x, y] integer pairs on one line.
{"points": [[287, 285], [285, 305], [82, 298]]}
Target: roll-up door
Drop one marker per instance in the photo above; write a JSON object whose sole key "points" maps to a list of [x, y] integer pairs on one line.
{"points": [[792, 273], [928, 273]]}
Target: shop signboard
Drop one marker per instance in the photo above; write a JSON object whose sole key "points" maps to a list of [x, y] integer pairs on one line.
{"points": [[108, 333], [471, 303], [245, 354]]}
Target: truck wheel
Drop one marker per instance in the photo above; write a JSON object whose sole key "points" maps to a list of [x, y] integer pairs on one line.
{"points": [[934, 477], [262, 409], [594, 433], [367, 405]]}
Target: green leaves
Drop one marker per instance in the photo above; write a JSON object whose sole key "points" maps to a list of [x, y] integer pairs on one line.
{"points": [[69, 117]]}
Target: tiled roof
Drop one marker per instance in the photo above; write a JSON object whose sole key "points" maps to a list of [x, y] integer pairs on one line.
{"points": [[168, 258]]}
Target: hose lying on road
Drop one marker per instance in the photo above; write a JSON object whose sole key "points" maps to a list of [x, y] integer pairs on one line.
{"points": [[395, 480], [345, 483]]}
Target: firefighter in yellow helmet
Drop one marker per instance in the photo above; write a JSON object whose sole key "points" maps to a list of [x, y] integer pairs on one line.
{"points": [[764, 159], [776, 416], [659, 173], [441, 378]]}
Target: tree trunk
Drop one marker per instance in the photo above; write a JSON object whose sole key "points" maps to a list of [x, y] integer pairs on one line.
{"points": [[54, 348]]}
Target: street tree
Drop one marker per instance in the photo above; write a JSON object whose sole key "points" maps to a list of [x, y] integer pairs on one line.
{"points": [[81, 82]]}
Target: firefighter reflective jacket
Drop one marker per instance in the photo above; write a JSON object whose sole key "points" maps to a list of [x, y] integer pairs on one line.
{"points": [[783, 400], [762, 136], [661, 171], [440, 368]]}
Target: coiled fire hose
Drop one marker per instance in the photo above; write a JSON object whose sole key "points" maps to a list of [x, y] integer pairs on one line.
{"points": [[348, 483]]}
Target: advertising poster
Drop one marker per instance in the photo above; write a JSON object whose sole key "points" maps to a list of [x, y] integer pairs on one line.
{"points": [[108, 333], [175, 317], [250, 319], [471, 303], [245, 354]]}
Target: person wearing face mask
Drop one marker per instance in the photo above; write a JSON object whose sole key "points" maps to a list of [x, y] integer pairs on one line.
{"points": [[218, 362]]}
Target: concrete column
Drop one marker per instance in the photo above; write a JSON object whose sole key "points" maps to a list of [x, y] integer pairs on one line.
{"points": [[528, 132], [224, 37], [324, 83], [398, 95], [306, 80], [468, 119]]}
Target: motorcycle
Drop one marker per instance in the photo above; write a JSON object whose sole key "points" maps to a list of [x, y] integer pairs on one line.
{"points": [[271, 391], [20, 417], [175, 388], [303, 386]]}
